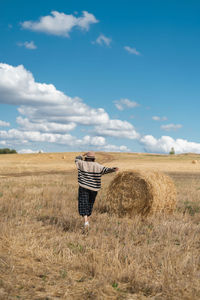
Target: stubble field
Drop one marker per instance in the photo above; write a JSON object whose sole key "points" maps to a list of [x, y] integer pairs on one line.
{"points": [[45, 255]]}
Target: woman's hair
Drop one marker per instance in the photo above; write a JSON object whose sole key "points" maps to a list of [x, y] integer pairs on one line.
{"points": [[89, 159]]}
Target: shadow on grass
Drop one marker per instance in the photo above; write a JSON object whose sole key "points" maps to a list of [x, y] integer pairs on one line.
{"points": [[67, 224]]}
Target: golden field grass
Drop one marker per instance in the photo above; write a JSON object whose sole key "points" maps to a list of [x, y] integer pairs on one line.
{"points": [[43, 163], [44, 255]]}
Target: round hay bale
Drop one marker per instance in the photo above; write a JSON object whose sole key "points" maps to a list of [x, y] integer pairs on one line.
{"points": [[194, 161], [136, 192], [64, 157]]}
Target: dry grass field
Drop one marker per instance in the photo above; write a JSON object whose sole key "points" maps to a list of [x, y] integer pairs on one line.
{"points": [[45, 255]]}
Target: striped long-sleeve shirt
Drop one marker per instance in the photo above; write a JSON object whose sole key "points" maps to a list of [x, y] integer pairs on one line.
{"points": [[89, 173]]}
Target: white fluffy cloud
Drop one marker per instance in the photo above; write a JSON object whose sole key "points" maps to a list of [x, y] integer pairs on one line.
{"points": [[18, 137], [103, 40], [125, 103], [29, 151], [114, 148], [118, 129], [60, 24], [44, 126], [47, 115], [97, 141], [29, 45], [4, 124], [77, 112], [22, 137], [157, 118], [48, 110], [170, 127], [132, 50], [165, 143], [18, 87]]}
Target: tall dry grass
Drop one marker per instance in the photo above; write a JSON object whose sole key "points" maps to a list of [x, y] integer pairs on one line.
{"points": [[44, 255]]}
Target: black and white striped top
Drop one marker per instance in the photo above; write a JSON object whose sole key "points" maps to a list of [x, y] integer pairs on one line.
{"points": [[89, 173]]}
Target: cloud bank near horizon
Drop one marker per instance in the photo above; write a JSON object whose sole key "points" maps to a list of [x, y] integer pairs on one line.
{"points": [[47, 115]]}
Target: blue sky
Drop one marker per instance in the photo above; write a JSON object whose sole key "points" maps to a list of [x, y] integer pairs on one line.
{"points": [[100, 75]]}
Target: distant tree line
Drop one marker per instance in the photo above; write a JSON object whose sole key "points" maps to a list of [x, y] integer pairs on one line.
{"points": [[7, 151]]}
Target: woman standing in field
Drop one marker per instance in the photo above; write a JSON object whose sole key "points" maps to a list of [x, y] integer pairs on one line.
{"points": [[89, 179]]}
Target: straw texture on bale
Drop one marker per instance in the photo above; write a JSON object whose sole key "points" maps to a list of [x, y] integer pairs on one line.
{"points": [[136, 192]]}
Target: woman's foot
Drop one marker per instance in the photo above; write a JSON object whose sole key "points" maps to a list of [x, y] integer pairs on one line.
{"points": [[85, 228], [86, 224]]}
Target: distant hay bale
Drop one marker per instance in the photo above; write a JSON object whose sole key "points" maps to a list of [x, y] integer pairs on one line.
{"points": [[51, 156], [136, 192], [64, 157], [194, 162]]}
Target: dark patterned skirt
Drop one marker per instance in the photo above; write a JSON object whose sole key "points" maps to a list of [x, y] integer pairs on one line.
{"points": [[86, 199]]}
